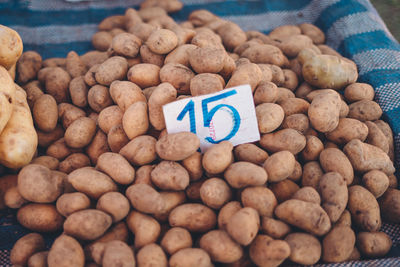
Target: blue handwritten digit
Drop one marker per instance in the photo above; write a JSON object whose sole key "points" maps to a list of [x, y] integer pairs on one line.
{"points": [[192, 119], [208, 115]]}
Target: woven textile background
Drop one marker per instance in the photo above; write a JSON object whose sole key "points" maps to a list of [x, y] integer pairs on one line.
{"points": [[353, 27]]}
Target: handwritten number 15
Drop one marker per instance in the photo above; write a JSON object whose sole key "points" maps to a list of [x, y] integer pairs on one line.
{"points": [[209, 114]]}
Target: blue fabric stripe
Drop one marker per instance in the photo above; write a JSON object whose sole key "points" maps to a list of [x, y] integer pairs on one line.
{"points": [[58, 50], [378, 78], [337, 11], [393, 118], [362, 42]]}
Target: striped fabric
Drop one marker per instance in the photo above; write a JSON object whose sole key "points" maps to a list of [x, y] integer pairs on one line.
{"points": [[353, 27]]}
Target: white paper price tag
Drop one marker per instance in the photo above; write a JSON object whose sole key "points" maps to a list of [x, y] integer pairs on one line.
{"points": [[227, 115]]}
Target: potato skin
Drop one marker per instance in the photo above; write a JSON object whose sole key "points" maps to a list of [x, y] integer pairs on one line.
{"points": [[243, 226], [364, 208], [304, 248], [279, 166], [69, 203], [178, 146], [324, 111], [140, 150], [170, 175], [176, 239], [215, 192], [260, 198], [25, 247], [305, 215], [250, 153], [334, 160], [145, 198], [365, 110], [241, 174], [269, 116], [338, 244], [151, 255], [163, 94], [65, 252], [124, 174], [286, 139], [347, 130], [188, 257], [87, 224], [118, 253], [38, 259], [389, 205], [11, 48], [376, 182], [373, 244], [265, 251], [115, 204], [135, 120], [114, 68], [80, 132], [193, 217], [221, 247], [145, 228], [218, 157], [40, 217]]}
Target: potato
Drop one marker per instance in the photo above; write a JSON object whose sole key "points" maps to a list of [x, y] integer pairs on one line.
{"points": [[221, 248], [94, 57], [151, 255], [376, 137], [25, 247], [178, 146], [145, 198], [241, 174], [13, 199], [97, 147], [334, 160], [193, 217], [69, 113], [57, 84], [250, 153], [99, 98], [385, 128], [135, 120], [359, 91], [125, 93], [265, 54], [308, 194], [28, 66], [47, 161], [317, 36], [265, 251], [338, 244], [266, 92], [324, 111], [116, 138], [78, 91], [11, 48], [145, 228], [80, 133], [304, 215], [176, 239], [140, 150], [215, 192], [312, 173], [126, 45], [347, 130], [364, 208], [313, 148], [365, 157], [40, 217], [69, 203], [162, 41], [279, 166], [226, 212], [109, 117], [33, 91], [205, 83], [163, 94], [114, 68], [292, 45], [87, 224], [73, 162], [286, 139], [284, 31], [274, 228], [373, 245], [18, 140], [334, 194], [170, 175], [365, 110], [66, 251], [115, 204], [260, 198], [201, 17], [389, 205], [91, 182], [232, 35], [269, 117], [148, 56], [193, 166], [188, 257], [243, 226], [178, 76], [124, 174], [304, 248], [376, 182], [38, 259], [248, 73], [144, 75], [117, 253], [102, 40], [6, 182], [74, 65], [218, 157], [207, 59]]}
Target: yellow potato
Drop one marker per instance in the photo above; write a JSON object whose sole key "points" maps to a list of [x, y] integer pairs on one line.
{"points": [[11, 46]]}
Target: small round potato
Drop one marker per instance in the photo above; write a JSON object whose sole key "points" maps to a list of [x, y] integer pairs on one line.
{"points": [[221, 248], [207, 59], [38, 259], [269, 117], [193, 165], [140, 150], [215, 192], [71, 202], [145, 228], [73, 162], [109, 117], [151, 255], [205, 83], [178, 75], [170, 175], [116, 138], [373, 244], [308, 194], [241, 174], [145, 198], [118, 253], [126, 45], [250, 153], [376, 182], [124, 174], [162, 94], [304, 248], [135, 120], [389, 204], [279, 166], [175, 239], [286, 139], [99, 98], [40, 217], [114, 68], [334, 160], [338, 244], [115, 204], [45, 113], [243, 226], [218, 157], [226, 212], [125, 93], [274, 228], [80, 132], [260, 198], [162, 41]]}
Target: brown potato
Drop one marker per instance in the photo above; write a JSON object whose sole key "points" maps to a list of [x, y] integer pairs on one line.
{"points": [[265, 54], [151, 255], [205, 83], [28, 66], [250, 153], [170, 175], [102, 40], [73, 162], [99, 98], [265, 251], [193, 217], [266, 92], [124, 174], [125, 93], [207, 59], [389, 205], [69, 113], [25, 247], [334, 160], [279, 166], [140, 150], [359, 91], [38, 259], [376, 182], [13, 199], [57, 83], [126, 45], [242, 174], [308, 194], [69, 203], [243, 226], [117, 253], [188, 257], [37, 184], [304, 215], [193, 165], [218, 157], [292, 45], [260, 198], [144, 75], [221, 247], [47, 161], [376, 137], [78, 91], [177, 146], [148, 56], [232, 35], [74, 65], [65, 252], [116, 138], [163, 94], [274, 228], [97, 147], [248, 73], [175, 239], [87, 224], [317, 36], [109, 117], [80, 133], [162, 41], [115, 204], [365, 110], [145, 198], [40, 217], [364, 208], [373, 245], [284, 190], [324, 111], [114, 68], [347, 130], [135, 120], [304, 248], [338, 244], [178, 76], [145, 228], [269, 117], [286, 139], [215, 192], [91, 182], [313, 148]]}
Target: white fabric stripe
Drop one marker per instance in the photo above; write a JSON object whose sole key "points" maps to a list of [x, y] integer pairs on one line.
{"points": [[54, 5], [377, 59], [388, 96], [270, 20], [357, 23], [56, 34]]}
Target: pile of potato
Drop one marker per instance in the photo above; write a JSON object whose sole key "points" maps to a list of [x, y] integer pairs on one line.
{"points": [[124, 192]]}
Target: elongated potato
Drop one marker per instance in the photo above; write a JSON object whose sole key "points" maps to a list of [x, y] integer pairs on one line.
{"points": [[145, 228], [18, 140], [40, 217], [338, 244], [221, 247], [334, 160], [7, 95], [242, 174], [177, 146], [25, 247], [194, 217]]}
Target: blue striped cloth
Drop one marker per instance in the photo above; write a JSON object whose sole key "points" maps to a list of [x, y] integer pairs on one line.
{"points": [[353, 27]]}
